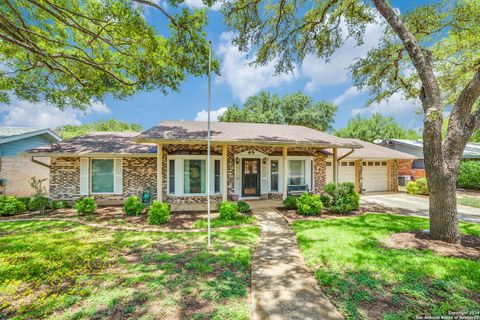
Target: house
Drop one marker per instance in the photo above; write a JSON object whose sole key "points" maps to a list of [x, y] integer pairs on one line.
{"points": [[415, 168], [249, 160], [16, 171]]}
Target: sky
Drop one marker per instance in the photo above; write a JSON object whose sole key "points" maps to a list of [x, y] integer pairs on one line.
{"points": [[322, 81]]}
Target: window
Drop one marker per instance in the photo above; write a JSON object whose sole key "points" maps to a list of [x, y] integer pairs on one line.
{"points": [[216, 177], [171, 176], [103, 176], [274, 175], [296, 170], [329, 164], [194, 176], [418, 164]]}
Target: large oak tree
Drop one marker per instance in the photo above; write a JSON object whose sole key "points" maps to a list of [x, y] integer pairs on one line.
{"points": [[429, 53]]}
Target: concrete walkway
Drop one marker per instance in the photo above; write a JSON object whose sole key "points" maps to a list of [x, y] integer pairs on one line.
{"points": [[282, 287]]}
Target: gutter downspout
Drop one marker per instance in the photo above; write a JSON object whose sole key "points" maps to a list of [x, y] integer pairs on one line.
{"points": [[346, 155], [40, 163]]}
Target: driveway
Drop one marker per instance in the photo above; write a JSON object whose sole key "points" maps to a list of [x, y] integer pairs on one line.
{"points": [[403, 203]]}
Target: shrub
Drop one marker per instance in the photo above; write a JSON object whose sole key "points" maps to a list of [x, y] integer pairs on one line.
{"points": [[243, 207], [329, 194], [85, 206], [290, 202], [309, 205], [25, 200], [58, 204], [228, 210], [341, 198], [418, 187], [9, 206], [38, 203], [469, 175], [133, 206], [412, 188], [158, 213]]}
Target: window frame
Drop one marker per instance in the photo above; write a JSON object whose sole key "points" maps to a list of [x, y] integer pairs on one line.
{"points": [[113, 173], [307, 168]]}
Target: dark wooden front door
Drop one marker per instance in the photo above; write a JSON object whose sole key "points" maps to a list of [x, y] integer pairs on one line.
{"points": [[250, 177]]}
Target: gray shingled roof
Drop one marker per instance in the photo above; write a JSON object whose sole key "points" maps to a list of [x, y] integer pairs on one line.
{"points": [[8, 134], [373, 151], [15, 131], [472, 149], [230, 132], [97, 143]]}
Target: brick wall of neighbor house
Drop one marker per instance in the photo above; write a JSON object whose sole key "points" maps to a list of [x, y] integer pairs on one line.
{"points": [[18, 172], [392, 171], [405, 169]]}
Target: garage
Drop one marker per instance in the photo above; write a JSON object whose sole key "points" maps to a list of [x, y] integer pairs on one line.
{"points": [[346, 171], [374, 174]]}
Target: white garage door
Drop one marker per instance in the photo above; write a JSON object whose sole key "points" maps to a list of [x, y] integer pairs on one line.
{"points": [[374, 176], [346, 171]]}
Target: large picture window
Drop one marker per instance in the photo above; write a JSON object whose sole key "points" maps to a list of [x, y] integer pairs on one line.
{"points": [[103, 176], [296, 172], [194, 176]]}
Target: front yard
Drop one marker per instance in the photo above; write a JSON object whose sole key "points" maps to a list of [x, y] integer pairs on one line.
{"points": [[367, 280], [65, 270]]}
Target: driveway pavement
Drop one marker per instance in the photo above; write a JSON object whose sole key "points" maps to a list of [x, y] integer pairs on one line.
{"points": [[403, 203]]}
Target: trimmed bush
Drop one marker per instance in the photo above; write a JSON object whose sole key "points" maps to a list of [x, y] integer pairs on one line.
{"points": [[25, 200], [243, 207], [85, 206], [158, 213], [309, 205], [58, 204], [133, 206], [412, 188], [228, 210], [290, 202], [9, 206], [341, 198], [469, 175], [418, 187], [329, 194], [38, 203]]}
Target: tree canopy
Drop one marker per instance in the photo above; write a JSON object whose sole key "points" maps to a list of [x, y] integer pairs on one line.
{"points": [[70, 131], [375, 127], [294, 109], [73, 52]]}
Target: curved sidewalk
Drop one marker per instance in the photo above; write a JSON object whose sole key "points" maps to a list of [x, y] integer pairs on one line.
{"points": [[282, 286]]}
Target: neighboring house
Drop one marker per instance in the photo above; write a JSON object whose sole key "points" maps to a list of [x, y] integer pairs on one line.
{"points": [[415, 169], [248, 161], [16, 171]]}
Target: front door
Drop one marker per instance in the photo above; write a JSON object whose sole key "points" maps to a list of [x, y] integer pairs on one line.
{"points": [[250, 177]]}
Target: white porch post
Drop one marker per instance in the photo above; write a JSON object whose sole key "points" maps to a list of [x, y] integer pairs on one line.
{"points": [[335, 166], [224, 173], [285, 171], [159, 172]]}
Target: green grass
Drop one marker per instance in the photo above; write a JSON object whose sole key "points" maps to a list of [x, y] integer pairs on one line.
{"points": [[70, 271], [217, 222], [367, 281], [469, 201]]}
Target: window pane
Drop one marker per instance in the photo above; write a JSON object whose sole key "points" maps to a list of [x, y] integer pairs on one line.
{"points": [[171, 182], [217, 176], [296, 171], [102, 176], [194, 176], [274, 175]]}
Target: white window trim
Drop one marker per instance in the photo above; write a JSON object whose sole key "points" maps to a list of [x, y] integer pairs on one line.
{"points": [[308, 171], [114, 175]]}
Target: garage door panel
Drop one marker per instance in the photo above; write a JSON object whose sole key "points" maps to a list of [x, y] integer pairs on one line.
{"points": [[374, 174], [346, 172]]}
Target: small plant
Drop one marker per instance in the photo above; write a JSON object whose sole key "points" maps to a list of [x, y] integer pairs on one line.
{"points": [[340, 198], [85, 206], [243, 207], [228, 210], [38, 203], [9, 206], [418, 187], [309, 205], [158, 213], [58, 204], [290, 202], [413, 188], [133, 206]]}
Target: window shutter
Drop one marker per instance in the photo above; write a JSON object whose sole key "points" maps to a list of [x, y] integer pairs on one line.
{"points": [[118, 176], [84, 168]]}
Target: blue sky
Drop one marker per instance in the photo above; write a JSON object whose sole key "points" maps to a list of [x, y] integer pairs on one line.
{"points": [[322, 81]]}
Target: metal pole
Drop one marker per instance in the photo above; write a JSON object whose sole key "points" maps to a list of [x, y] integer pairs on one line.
{"points": [[208, 136]]}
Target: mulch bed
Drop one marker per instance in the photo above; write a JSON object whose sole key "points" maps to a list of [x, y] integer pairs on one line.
{"points": [[468, 249]]}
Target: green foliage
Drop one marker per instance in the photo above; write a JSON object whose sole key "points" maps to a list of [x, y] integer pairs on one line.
{"points": [[38, 203], [85, 206], [243, 207], [341, 198], [309, 205], [217, 222], [133, 206], [37, 185], [294, 109], [413, 188], [290, 202], [418, 186], [375, 127], [69, 131], [469, 175], [228, 210], [9, 206], [25, 200], [58, 204], [158, 213]]}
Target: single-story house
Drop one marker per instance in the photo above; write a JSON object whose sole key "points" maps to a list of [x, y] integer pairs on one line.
{"points": [[414, 169], [249, 160], [16, 171]]}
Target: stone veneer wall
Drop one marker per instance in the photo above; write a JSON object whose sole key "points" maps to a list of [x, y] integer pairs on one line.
{"points": [[392, 171], [65, 178], [358, 175], [319, 173]]}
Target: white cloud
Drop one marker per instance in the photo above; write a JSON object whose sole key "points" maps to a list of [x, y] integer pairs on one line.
{"points": [[347, 95], [199, 4], [396, 106], [246, 80], [214, 114]]}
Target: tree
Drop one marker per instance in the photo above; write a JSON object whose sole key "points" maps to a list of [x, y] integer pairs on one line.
{"points": [[70, 131], [375, 127], [294, 109], [73, 52], [429, 53]]}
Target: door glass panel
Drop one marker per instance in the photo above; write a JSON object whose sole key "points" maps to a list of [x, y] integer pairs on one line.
{"points": [[251, 184], [274, 175]]}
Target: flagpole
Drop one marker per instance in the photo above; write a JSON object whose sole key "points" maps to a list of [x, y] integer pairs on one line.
{"points": [[208, 136]]}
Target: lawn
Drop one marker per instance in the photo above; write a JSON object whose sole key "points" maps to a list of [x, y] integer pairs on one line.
{"points": [[217, 222], [69, 271], [367, 281], [469, 201]]}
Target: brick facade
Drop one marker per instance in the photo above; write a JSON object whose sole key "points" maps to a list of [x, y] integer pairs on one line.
{"points": [[392, 171], [18, 171], [405, 169]]}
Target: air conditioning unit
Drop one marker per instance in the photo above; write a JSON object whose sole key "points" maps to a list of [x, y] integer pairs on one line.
{"points": [[404, 180], [3, 182]]}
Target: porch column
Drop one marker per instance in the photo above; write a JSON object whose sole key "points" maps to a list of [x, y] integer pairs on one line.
{"points": [[224, 173], [159, 172], [285, 172], [335, 166]]}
